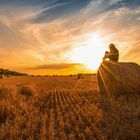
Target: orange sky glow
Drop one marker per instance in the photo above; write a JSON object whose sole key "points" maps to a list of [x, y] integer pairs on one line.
{"points": [[68, 43]]}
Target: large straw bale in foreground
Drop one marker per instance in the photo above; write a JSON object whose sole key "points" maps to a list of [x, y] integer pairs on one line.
{"points": [[117, 78]]}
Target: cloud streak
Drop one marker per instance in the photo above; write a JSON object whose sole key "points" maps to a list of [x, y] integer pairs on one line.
{"points": [[60, 9], [56, 66]]}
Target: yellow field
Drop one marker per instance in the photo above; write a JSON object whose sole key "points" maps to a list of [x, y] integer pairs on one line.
{"points": [[64, 107]]}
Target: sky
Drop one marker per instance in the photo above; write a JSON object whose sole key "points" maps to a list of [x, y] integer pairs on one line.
{"points": [[66, 36]]}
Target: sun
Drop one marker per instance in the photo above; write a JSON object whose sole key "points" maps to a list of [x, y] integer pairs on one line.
{"points": [[90, 54]]}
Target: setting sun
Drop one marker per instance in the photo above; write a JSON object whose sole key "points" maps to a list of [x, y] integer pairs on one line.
{"points": [[90, 54]]}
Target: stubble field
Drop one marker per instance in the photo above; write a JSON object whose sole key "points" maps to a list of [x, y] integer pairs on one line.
{"points": [[65, 108]]}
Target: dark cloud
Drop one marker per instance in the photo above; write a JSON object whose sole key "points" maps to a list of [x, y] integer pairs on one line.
{"points": [[56, 66]]}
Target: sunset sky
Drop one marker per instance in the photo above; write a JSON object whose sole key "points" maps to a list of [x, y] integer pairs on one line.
{"points": [[66, 36]]}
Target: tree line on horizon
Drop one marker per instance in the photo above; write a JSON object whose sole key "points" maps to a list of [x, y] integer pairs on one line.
{"points": [[9, 72]]}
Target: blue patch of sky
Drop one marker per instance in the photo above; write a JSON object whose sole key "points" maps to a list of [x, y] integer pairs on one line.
{"points": [[60, 9]]}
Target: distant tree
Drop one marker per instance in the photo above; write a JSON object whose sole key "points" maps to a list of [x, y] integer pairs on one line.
{"points": [[8, 72]]}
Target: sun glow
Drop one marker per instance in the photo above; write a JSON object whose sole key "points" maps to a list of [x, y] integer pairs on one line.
{"points": [[90, 54]]}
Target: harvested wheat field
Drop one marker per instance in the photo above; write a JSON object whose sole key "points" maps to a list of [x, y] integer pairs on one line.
{"points": [[65, 108]]}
